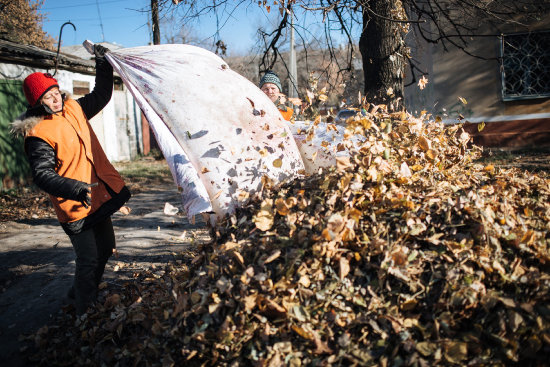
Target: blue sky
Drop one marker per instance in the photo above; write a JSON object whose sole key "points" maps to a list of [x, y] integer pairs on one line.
{"points": [[125, 22]]}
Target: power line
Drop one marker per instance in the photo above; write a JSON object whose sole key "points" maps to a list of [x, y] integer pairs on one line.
{"points": [[82, 5], [90, 19], [100, 21]]}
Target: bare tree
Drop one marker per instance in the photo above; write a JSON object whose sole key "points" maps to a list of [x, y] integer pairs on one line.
{"points": [[380, 27], [20, 21], [174, 30]]}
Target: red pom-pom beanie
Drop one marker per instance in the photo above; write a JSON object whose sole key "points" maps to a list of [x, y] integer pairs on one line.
{"points": [[36, 85]]}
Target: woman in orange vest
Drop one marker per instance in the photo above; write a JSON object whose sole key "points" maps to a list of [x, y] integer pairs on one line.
{"points": [[68, 163], [270, 84]]}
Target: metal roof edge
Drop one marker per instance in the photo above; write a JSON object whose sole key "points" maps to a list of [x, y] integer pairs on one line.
{"points": [[28, 55]]}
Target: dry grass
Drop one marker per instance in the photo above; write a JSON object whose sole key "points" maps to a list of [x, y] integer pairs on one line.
{"points": [[144, 172]]}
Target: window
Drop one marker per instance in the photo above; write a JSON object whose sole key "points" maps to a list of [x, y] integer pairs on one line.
{"points": [[117, 84], [80, 88], [525, 65]]}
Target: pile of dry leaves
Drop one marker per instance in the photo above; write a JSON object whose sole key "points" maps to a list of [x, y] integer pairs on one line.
{"points": [[25, 204], [406, 253]]}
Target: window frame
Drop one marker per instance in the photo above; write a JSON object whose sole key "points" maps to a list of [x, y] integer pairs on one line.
{"points": [[516, 96]]}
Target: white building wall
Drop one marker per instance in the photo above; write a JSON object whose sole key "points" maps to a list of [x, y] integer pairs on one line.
{"points": [[110, 131]]}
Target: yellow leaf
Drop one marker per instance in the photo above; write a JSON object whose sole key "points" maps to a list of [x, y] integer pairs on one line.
{"points": [[243, 195], [430, 154], [355, 214], [295, 101], [303, 333], [264, 218], [309, 96], [323, 98], [204, 170], [481, 126], [422, 82], [489, 168], [326, 234], [424, 144], [366, 123], [409, 304], [528, 237], [277, 163], [463, 100]]}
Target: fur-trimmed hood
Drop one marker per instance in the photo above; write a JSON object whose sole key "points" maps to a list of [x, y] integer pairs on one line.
{"points": [[24, 123], [30, 118]]}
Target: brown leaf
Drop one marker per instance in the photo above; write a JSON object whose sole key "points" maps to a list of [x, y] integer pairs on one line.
{"points": [[343, 163], [125, 210], [112, 301], [344, 267]]}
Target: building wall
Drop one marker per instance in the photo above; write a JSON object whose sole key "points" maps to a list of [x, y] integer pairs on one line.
{"points": [[453, 74]]}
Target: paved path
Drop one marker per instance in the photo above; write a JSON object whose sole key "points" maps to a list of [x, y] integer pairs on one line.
{"points": [[37, 261]]}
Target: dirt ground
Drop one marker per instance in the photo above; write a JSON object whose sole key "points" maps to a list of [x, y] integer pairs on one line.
{"points": [[37, 260], [533, 159]]}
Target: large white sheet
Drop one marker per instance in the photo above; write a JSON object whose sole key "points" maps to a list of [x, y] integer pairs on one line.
{"points": [[219, 133]]}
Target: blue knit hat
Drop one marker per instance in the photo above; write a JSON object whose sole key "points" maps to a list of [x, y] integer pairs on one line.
{"points": [[271, 77]]}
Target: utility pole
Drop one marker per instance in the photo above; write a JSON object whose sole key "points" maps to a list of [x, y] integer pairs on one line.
{"points": [[155, 21], [293, 73]]}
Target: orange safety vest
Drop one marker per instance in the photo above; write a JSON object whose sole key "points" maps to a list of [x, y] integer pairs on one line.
{"points": [[287, 113], [80, 157]]}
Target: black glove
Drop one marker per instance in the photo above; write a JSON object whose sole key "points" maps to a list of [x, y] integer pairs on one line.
{"points": [[83, 194], [99, 51]]}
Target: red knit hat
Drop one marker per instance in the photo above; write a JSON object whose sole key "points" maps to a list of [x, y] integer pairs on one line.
{"points": [[36, 85]]}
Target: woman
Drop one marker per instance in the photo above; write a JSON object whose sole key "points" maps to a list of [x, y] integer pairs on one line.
{"points": [[68, 163]]}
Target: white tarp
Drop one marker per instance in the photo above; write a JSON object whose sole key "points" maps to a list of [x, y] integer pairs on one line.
{"points": [[219, 132]]}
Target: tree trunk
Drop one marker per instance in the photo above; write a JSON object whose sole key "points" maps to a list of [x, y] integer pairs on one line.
{"points": [[155, 21], [382, 48]]}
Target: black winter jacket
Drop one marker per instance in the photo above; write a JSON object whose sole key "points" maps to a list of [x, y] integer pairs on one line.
{"points": [[43, 160]]}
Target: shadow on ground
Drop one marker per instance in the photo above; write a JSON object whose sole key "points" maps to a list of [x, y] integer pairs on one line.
{"points": [[37, 262]]}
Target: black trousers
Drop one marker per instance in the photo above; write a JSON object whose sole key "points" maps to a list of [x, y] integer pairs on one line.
{"points": [[93, 247]]}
